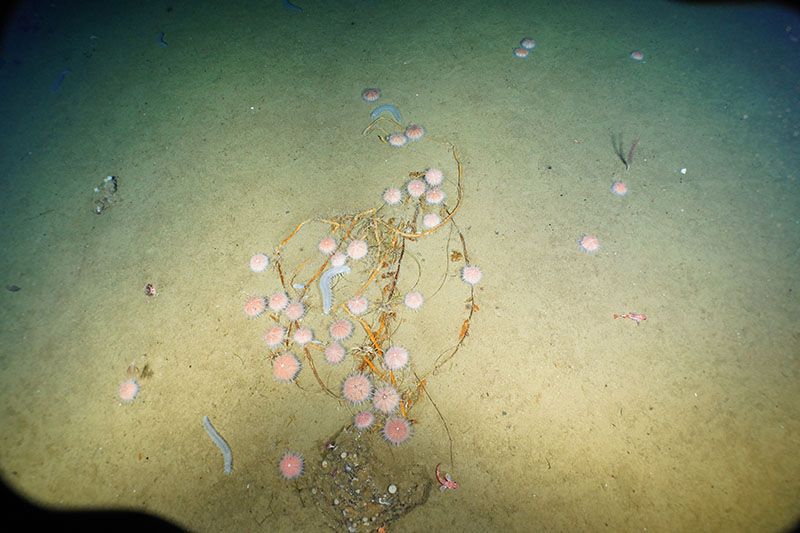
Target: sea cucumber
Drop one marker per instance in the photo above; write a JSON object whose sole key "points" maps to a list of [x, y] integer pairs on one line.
{"points": [[60, 79], [219, 441], [161, 40], [325, 285], [387, 107], [291, 7]]}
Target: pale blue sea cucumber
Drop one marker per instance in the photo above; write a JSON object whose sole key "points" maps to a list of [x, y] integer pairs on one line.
{"points": [[387, 107], [325, 285], [219, 441], [59, 81], [291, 7]]}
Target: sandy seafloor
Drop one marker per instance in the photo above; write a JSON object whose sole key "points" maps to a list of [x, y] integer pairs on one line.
{"points": [[250, 120]]}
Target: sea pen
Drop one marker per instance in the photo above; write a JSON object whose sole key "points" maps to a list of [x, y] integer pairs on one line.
{"points": [[630, 154]]}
